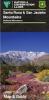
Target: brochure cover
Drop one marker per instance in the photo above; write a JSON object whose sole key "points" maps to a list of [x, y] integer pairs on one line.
{"points": [[25, 15], [24, 66]]}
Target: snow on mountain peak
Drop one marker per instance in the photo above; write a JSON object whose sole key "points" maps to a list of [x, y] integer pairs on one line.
{"points": [[20, 57], [24, 54]]}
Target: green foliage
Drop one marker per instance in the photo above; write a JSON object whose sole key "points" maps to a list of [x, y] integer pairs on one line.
{"points": [[4, 75], [29, 72], [46, 79]]}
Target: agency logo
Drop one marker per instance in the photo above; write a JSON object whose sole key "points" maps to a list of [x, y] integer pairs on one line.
{"points": [[42, 4], [7, 4]]}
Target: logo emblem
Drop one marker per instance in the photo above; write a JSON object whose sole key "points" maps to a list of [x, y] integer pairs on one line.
{"points": [[42, 4], [7, 4]]}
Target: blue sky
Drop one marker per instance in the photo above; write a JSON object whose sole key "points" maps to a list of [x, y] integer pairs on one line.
{"points": [[29, 41]]}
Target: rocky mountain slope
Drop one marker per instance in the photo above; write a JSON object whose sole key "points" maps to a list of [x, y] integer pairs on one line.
{"points": [[19, 58]]}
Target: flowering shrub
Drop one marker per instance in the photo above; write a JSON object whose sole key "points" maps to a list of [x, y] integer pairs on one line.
{"points": [[43, 75]]}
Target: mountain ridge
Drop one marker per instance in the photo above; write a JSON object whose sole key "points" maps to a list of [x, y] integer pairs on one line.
{"points": [[19, 58]]}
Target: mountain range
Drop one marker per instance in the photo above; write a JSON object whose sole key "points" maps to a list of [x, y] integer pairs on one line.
{"points": [[19, 58]]}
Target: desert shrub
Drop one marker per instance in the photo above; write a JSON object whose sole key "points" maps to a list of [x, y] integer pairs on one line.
{"points": [[29, 72], [43, 75], [46, 79]]}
